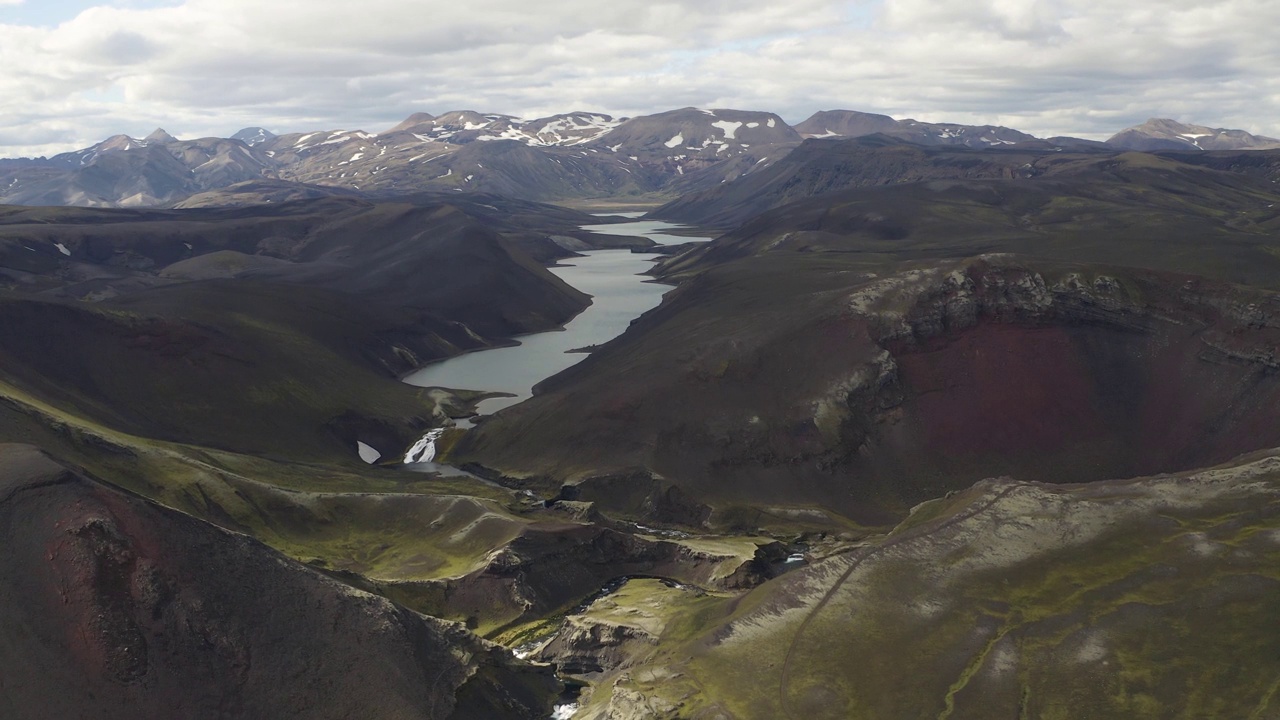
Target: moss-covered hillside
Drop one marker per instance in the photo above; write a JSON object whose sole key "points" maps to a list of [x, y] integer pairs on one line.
{"points": [[1149, 598]]}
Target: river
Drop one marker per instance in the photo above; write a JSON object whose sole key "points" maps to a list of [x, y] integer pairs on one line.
{"points": [[619, 294]]}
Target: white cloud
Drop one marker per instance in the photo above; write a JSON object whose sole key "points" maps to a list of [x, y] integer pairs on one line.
{"points": [[1045, 66]]}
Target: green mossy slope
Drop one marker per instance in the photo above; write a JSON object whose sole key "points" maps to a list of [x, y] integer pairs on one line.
{"points": [[1128, 599]]}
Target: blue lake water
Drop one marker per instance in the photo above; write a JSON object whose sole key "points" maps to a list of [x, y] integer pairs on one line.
{"points": [[619, 295]]}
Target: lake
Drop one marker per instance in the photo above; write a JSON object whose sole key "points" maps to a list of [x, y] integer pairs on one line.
{"points": [[619, 294]]}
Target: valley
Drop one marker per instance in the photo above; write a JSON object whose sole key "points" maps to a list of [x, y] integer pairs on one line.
{"points": [[714, 416], [613, 279]]}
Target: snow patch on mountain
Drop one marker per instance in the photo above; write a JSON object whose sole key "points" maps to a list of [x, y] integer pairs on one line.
{"points": [[459, 128], [730, 128]]}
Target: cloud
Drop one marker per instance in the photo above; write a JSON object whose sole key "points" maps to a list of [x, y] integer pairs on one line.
{"points": [[202, 67]]}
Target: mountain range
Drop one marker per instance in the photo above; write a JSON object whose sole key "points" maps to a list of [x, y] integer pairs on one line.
{"points": [[575, 155], [945, 421]]}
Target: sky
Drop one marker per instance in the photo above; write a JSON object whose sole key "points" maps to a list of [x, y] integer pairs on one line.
{"points": [[73, 72]]}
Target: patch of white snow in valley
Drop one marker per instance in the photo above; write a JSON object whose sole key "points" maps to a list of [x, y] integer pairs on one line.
{"points": [[367, 453], [564, 712], [677, 140], [729, 128], [826, 134], [425, 449], [63, 249]]}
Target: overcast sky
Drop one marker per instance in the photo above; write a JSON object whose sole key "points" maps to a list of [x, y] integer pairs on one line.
{"points": [[75, 71]]}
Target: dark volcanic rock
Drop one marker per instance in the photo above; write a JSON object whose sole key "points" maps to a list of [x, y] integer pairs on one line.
{"points": [[117, 608]]}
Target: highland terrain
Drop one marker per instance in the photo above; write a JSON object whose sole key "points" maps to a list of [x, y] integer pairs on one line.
{"points": [[946, 421]]}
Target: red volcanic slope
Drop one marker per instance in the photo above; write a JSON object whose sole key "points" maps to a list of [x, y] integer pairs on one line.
{"points": [[115, 607]]}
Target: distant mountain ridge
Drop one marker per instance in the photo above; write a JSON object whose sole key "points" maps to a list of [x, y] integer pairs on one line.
{"points": [[254, 136], [851, 123], [122, 171], [466, 126], [1165, 134], [565, 156], [821, 166]]}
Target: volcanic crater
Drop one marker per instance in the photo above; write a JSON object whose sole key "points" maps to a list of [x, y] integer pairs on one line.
{"points": [[912, 384]]}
